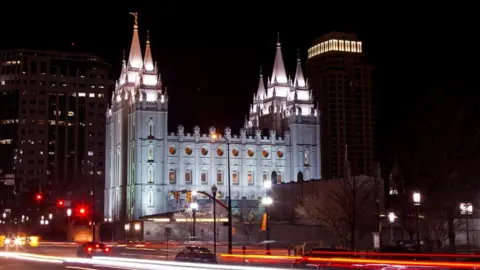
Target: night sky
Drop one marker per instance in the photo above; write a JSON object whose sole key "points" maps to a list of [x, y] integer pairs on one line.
{"points": [[209, 55]]}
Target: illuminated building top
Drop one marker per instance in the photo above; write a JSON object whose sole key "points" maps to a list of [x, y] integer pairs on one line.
{"points": [[336, 42]]}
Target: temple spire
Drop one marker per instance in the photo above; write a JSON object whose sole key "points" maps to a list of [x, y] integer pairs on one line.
{"points": [[299, 78], [279, 74], [135, 57], [148, 61], [261, 86]]}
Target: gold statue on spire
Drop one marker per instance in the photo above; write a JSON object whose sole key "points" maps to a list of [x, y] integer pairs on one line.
{"points": [[135, 15]]}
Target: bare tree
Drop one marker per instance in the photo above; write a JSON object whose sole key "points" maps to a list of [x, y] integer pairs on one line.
{"points": [[248, 223], [344, 206]]}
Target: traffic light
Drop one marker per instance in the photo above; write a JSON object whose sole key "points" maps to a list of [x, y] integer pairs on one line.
{"points": [[60, 203], [82, 211], [189, 197], [38, 197]]}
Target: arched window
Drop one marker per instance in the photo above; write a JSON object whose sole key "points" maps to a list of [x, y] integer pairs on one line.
{"points": [[188, 176], [264, 176], [172, 178], [235, 177], [151, 129], [150, 199], [299, 177], [150, 152], [250, 178], [305, 159], [279, 178], [204, 177], [150, 175], [219, 177]]}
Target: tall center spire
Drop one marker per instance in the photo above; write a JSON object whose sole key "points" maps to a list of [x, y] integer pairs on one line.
{"points": [[299, 78], [135, 57], [279, 74]]}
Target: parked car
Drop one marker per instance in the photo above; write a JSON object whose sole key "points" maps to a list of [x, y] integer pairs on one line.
{"points": [[196, 255]]}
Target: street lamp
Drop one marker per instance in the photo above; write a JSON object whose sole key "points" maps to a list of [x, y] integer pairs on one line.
{"points": [[466, 209], [230, 225], [391, 218], [266, 201], [194, 207], [417, 198], [214, 193]]}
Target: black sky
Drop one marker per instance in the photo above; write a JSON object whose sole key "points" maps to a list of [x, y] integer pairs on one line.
{"points": [[209, 54]]}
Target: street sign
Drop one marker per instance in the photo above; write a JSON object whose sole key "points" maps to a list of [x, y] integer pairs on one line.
{"points": [[168, 231]]}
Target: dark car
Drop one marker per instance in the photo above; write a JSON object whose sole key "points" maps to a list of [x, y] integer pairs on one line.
{"points": [[305, 263], [90, 249], [196, 254]]}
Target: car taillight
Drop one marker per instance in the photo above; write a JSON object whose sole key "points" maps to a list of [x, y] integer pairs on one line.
{"points": [[107, 249], [89, 249], [97, 246]]}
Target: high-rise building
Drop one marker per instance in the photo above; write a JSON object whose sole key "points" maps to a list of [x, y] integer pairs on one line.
{"points": [[149, 170], [52, 120], [341, 80]]}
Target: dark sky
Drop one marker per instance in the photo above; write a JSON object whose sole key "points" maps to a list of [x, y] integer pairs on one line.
{"points": [[209, 55]]}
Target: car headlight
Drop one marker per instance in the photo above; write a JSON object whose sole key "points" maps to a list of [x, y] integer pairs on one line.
{"points": [[7, 241], [18, 241]]}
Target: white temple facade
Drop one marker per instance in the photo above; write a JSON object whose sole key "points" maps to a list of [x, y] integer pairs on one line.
{"points": [[145, 164]]}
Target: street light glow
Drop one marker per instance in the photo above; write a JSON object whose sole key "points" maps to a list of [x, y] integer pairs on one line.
{"points": [[267, 184], [194, 206], [267, 201], [214, 136], [194, 193], [417, 197], [466, 208], [69, 212], [391, 217]]}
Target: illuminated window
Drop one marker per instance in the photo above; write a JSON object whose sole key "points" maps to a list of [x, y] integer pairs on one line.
{"points": [[279, 178], [250, 178], [235, 177], [91, 94], [342, 45], [81, 94], [359, 46], [150, 199], [250, 153], [203, 177], [265, 153], [353, 44], [188, 176], [305, 159], [335, 45], [235, 152], [150, 152], [90, 153], [100, 95], [279, 153], [188, 151], [70, 113], [219, 151], [347, 45], [204, 150], [172, 150], [265, 176], [150, 175], [172, 178], [219, 177]]}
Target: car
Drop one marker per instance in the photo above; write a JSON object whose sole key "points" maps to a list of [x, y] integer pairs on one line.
{"points": [[196, 254], [90, 249]]}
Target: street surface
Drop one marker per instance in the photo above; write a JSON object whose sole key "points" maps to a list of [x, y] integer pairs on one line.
{"points": [[10, 264]]}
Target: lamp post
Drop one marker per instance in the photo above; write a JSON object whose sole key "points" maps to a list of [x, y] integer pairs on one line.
{"points": [[214, 193], [230, 225], [417, 198], [466, 209], [391, 218], [266, 202], [194, 207]]}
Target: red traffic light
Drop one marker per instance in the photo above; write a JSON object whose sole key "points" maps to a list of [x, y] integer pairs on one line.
{"points": [[82, 210], [60, 203], [39, 197]]}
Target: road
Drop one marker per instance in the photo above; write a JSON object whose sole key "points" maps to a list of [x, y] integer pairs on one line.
{"points": [[9, 264]]}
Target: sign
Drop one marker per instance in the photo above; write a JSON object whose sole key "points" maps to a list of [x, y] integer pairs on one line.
{"points": [[376, 240], [168, 231], [264, 222]]}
